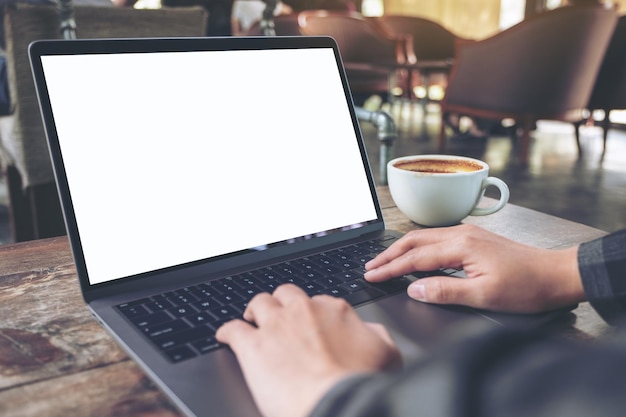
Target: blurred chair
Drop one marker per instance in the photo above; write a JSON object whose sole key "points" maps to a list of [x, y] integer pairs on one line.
{"points": [[218, 14], [542, 68], [375, 61], [35, 210], [284, 25], [609, 91], [433, 47]]}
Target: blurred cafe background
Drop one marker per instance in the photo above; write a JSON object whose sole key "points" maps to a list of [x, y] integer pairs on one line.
{"points": [[535, 88]]}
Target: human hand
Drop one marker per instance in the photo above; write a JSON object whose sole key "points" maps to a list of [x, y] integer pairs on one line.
{"points": [[502, 275], [301, 347]]}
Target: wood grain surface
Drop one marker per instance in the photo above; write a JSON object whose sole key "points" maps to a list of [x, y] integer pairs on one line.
{"points": [[55, 360]]}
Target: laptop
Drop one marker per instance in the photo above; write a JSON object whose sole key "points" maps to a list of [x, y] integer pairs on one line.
{"points": [[196, 172]]}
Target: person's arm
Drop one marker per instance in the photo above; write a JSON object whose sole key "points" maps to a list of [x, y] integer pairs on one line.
{"points": [[502, 275], [299, 347], [602, 264], [492, 373]]}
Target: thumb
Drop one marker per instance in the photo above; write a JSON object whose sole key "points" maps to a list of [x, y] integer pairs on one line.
{"points": [[443, 290]]}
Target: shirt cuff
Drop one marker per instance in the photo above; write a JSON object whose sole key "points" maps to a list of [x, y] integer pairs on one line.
{"points": [[596, 281], [341, 401]]}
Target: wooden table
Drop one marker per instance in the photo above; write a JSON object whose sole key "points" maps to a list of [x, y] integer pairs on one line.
{"points": [[55, 360]]}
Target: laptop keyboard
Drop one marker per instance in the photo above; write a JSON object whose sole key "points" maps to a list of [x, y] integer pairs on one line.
{"points": [[182, 323]]}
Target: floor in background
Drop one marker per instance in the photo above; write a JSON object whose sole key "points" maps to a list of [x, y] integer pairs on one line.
{"points": [[590, 190]]}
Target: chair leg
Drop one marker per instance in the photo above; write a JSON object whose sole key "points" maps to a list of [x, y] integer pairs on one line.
{"points": [[577, 135], [527, 126], [606, 124], [20, 211], [426, 81], [46, 211], [442, 132], [35, 211]]}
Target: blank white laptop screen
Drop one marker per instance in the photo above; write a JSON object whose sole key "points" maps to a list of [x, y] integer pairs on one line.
{"points": [[175, 157]]}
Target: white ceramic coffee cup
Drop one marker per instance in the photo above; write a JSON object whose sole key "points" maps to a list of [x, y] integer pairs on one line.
{"points": [[442, 199]]}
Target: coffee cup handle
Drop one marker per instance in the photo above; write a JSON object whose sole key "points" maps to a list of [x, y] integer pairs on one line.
{"points": [[504, 196]]}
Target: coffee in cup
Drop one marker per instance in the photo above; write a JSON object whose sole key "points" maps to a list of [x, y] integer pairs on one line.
{"points": [[438, 166], [441, 190]]}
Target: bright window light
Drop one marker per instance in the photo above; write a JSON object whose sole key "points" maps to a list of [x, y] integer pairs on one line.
{"points": [[372, 8], [511, 13]]}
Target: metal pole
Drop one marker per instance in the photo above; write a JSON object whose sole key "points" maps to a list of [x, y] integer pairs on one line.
{"points": [[387, 133], [65, 10], [267, 21]]}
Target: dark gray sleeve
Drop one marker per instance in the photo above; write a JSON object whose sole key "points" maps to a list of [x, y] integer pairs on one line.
{"points": [[492, 373], [602, 265]]}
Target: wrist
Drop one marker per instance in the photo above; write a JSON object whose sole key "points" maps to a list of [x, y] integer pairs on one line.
{"points": [[576, 290], [316, 390], [341, 395], [564, 280]]}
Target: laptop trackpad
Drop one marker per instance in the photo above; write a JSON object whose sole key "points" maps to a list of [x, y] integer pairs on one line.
{"points": [[414, 326]]}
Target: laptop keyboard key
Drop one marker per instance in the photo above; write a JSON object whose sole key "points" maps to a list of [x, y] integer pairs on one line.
{"points": [[133, 311], [206, 304], [205, 291], [269, 286], [183, 337], [206, 345], [353, 286], [159, 304], [180, 353], [229, 298], [312, 288], [225, 312], [163, 329], [249, 292], [199, 319], [294, 280], [152, 319], [362, 296], [334, 291], [182, 311], [347, 276], [225, 287]]}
